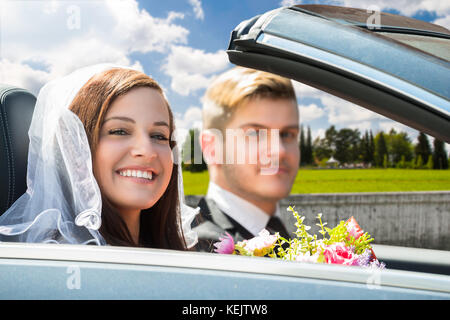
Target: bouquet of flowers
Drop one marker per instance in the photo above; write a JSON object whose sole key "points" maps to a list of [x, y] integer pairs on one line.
{"points": [[345, 244]]}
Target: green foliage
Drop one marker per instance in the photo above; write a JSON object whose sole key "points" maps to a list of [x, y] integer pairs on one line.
{"points": [[398, 146], [422, 147], [385, 161], [429, 164], [192, 157], [440, 160], [419, 162], [307, 243], [380, 150], [306, 148]]}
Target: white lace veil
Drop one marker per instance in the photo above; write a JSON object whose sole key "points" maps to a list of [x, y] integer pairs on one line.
{"points": [[62, 203]]}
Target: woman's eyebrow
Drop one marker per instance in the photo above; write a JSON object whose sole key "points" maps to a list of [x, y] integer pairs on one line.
{"points": [[120, 118], [156, 123], [161, 123]]}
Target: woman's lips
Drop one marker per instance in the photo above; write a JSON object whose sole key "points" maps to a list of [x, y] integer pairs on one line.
{"points": [[138, 180], [138, 175]]}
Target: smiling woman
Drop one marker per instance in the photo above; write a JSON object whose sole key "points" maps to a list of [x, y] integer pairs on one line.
{"points": [[129, 124], [109, 178]]}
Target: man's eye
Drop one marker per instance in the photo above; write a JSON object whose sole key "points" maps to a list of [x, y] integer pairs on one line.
{"points": [[288, 135], [119, 132], [252, 133]]}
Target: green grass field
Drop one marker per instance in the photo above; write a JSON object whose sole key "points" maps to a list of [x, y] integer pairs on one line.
{"points": [[350, 180]]}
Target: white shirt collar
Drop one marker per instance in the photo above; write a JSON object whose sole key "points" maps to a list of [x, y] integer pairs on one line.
{"points": [[245, 213]]}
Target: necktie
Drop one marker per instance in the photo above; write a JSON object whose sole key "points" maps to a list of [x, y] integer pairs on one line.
{"points": [[275, 225]]}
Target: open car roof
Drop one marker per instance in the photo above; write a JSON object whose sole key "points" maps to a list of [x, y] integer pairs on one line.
{"points": [[396, 66]]}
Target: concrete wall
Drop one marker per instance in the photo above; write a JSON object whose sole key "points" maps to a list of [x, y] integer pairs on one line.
{"points": [[411, 219]]}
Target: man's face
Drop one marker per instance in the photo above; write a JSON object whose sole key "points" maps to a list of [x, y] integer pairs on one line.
{"points": [[263, 169]]}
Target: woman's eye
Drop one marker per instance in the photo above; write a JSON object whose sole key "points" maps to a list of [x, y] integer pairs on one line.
{"points": [[119, 132], [160, 137]]}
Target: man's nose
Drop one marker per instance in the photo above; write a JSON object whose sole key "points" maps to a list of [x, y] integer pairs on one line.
{"points": [[272, 146]]}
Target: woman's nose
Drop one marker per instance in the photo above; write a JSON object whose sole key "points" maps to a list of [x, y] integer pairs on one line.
{"points": [[142, 147]]}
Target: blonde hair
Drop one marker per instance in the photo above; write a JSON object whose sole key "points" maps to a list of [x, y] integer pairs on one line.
{"points": [[238, 86]]}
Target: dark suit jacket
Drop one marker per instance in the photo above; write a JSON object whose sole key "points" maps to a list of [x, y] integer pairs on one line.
{"points": [[212, 223]]}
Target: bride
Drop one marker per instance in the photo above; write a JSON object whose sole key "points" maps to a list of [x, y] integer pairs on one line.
{"points": [[101, 166]]}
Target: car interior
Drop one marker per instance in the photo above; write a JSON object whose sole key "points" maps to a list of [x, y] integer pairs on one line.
{"points": [[16, 111]]}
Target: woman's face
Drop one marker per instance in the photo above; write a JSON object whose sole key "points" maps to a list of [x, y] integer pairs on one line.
{"points": [[133, 162]]}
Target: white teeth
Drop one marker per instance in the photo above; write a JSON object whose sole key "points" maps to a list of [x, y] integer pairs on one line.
{"points": [[137, 174]]}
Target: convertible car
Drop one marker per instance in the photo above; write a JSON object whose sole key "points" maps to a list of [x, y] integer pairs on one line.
{"points": [[399, 68]]}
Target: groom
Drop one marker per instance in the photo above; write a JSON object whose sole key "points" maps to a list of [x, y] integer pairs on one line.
{"points": [[250, 142]]}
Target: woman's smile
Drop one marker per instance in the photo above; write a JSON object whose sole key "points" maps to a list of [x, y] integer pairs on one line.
{"points": [[142, 176]]}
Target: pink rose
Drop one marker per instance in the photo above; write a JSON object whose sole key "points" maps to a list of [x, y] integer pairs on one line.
{"points": [[226, 244], [261, 244], [338, 253], [354, 229]]}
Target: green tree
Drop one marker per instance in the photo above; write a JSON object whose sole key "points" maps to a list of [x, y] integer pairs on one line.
{"points": [[419, 162], [440, 160], [402, 163], [380, 149], [429, 164], [325, 147], [330, 138], [367, 148], [192, 157], [347, 145], [321, 149], [398, 145], [385, 161], [308, 148], [422, 147], [302, 146], [371, 148]]}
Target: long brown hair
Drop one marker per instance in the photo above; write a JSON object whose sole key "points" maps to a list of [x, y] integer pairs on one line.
{"points": [[160, 224]]}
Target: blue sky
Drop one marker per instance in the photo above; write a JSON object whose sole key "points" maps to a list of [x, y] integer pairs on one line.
{"points": [[181, 43]]}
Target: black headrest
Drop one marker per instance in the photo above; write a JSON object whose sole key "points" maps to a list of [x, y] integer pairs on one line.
{"points": [[16, 111]]}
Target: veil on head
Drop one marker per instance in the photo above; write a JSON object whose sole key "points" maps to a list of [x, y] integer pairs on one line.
{"points": [[63, 202]]}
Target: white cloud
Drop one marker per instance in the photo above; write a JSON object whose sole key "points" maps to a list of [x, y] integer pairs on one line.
{"points": [[318, 133], [346, 113], [361, 126], [302, 90], [284, 3], [445, 21], [310, 112], [42, 40], [192, 69], [198, 10], [387, 125], [22, 75]]}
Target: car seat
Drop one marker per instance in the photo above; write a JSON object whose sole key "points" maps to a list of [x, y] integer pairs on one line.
{"points": [[16, 111]]}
